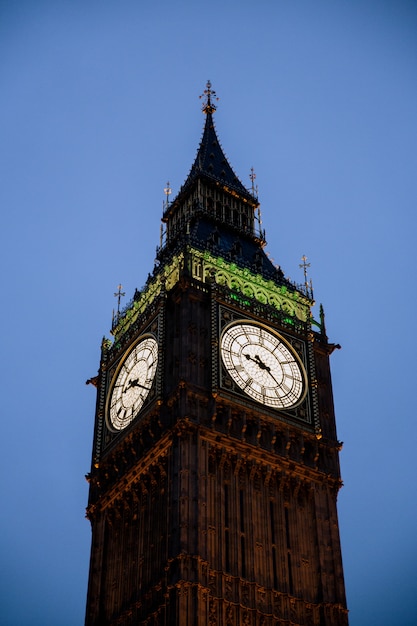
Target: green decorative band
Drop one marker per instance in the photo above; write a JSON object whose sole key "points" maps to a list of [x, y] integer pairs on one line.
{"points": [[165, 279], [206, 268]]}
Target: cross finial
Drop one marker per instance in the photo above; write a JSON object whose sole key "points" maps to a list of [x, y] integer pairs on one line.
{"points": [[167, 192], [252, 176], [209, 93], [119, 294], [308, 284]]}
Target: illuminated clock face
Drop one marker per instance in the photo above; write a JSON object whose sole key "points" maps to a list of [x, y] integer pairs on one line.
{"points": [[263, 365], [132, 383]]}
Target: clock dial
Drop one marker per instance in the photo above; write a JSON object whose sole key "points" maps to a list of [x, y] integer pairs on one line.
{"points": [[263, 365], [132, 383]]}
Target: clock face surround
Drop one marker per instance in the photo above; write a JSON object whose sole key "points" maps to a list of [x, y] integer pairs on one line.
{"points": [[132, 383], [263, 364]]}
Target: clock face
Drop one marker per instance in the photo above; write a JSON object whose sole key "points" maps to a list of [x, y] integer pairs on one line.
{"points": [[263, 365], [132, 383]]}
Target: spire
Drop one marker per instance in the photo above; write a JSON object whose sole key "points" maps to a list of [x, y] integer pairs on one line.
{"points": [[211, 162]]}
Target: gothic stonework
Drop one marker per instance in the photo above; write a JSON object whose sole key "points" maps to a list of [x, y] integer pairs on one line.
{"points": [[214, 503]]}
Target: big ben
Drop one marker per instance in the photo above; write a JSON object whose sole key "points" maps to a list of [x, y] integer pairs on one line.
{"points": [[215, 465]]}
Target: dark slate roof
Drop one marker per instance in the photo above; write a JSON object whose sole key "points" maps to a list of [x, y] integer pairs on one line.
{"points": [[233, 246], [211, 163]]}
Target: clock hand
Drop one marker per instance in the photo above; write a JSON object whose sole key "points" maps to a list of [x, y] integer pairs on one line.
{"points": [[261, 364], [258, 361], [134, 383], [266, 368]]}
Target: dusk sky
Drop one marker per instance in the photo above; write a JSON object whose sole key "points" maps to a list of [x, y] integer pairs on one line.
{"points": [[100, 107]]}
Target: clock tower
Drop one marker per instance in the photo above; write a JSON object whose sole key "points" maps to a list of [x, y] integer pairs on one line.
{"points": [[215, 466]]}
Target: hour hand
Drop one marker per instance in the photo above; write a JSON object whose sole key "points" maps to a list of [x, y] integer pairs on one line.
{"points": [[258, 361], [261, 365], [134, 382]]}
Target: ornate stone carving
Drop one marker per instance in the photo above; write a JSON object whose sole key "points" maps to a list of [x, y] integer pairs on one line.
{"points": [[212, 618]]}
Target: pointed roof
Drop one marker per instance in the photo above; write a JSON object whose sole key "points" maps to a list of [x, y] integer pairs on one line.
{"points": [[211, 162]]}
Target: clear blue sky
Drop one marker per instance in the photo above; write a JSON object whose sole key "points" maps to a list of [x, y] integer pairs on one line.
{"points": [[99, 108]]}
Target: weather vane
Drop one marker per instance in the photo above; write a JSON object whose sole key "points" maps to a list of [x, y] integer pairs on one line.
{"points": [[308, 284], [209, 93]]}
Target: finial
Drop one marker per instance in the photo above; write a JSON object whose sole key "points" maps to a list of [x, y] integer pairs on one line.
{"points": [[119, 294], [254, 187], [167, 192], [307, 284], [209, 93], [322, 321]]}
